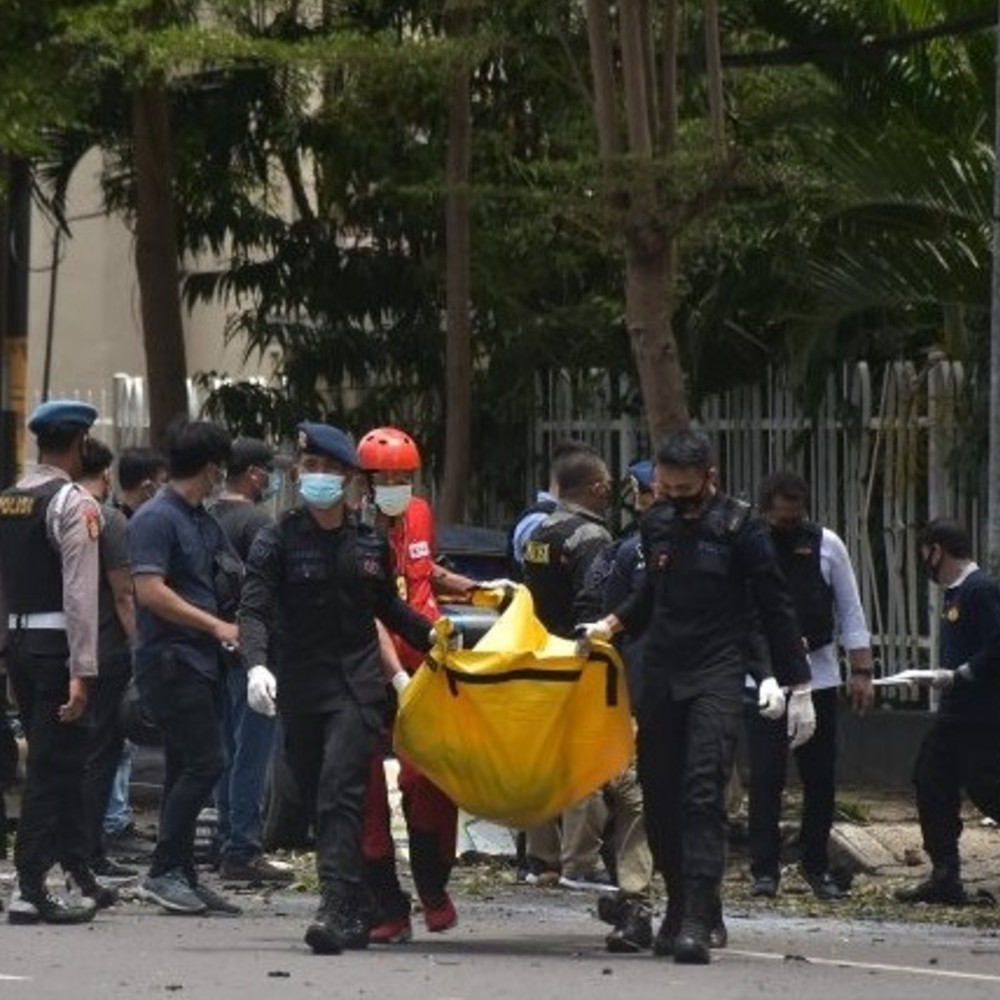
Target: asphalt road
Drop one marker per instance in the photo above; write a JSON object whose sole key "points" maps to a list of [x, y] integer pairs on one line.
{"points": [[517, 943]]}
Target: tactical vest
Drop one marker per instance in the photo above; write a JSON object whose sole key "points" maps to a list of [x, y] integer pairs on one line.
{"points": [[30, 565], [538, 507], [799, 558], [548, 574]]}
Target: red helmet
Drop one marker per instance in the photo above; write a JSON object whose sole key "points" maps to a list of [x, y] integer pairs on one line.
{"points": [[388, 449]]}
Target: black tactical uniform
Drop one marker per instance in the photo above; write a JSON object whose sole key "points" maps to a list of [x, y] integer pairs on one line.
{"points": [[705, 576], [319, 592]]}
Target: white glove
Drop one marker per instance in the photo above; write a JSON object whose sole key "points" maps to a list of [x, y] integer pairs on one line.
{"points": [[262, 689], [400, 680], [502, 583], [588, 633], [770, 699], [801, 717]]}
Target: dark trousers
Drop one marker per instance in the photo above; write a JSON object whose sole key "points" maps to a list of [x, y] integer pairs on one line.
{"points": [[330, 754], [955, 756], [52, 826], [684, 758], [186, 707], [106, 742], [816, 760]]}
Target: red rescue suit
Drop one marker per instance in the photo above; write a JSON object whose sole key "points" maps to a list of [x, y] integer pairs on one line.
{"points": [[431, 817]]}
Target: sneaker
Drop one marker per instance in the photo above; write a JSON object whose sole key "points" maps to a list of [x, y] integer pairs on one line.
{"points": [[84, 881], [440, 916], [255, 870], [824, 886], [214, 903], [764, 886], [537, 872], [945, 892], [42, 907], [171, 891], [111, 871], [394, 931], [593, 881]]}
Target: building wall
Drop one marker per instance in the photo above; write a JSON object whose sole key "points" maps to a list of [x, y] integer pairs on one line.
{"points": [[97, 328]]}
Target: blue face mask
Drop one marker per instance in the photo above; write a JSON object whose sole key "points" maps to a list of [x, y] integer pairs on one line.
{"points": [[274, 483], [322, 490]]}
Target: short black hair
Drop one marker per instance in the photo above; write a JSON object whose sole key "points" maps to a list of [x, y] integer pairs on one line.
{"points": [[58, 438], [566, 451], [787, 485], [136, 465], [686, 449], [97, 458], [579, 470], [949, 534], [247, 452], [193, 444]]}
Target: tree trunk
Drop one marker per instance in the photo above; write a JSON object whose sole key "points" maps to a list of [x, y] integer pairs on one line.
{"points": [[156, 259], [668, 78], [650, 262], [713, 63], [458, 338]]}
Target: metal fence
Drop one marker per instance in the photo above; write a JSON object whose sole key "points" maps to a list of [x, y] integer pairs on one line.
{"points": [[877, 450]]}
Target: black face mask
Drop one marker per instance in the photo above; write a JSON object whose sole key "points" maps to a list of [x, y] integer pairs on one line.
{"points": [[933, 572], [686, 506], [784, 535]]}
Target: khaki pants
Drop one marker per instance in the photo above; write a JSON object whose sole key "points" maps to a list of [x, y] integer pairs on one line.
{"points": [[572, 843], [633, 856]]}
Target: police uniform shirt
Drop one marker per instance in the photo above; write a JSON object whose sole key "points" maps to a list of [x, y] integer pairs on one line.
{"points": [[970, 633], [320, 591], [73, 525], [695, 600]]}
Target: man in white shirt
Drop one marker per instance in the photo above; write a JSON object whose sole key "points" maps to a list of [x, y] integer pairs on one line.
{"points": [[825, 593]]}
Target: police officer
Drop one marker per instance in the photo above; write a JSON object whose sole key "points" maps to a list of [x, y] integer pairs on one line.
{"points": [[52, 526], [557, 557], [961, 751], [705, 558], [316, 581]]}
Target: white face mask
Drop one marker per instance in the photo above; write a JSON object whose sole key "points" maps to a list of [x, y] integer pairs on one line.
{"points": [[393, 500]]}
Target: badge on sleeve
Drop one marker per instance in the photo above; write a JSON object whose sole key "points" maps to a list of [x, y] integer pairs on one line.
{"points": [[93, 519]]}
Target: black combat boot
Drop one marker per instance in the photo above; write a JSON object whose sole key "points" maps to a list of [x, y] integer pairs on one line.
{"points": [[718, 935], [325, 935], [633, 931], [357, 916], [663, 943], [691, 946], [944, 887]]}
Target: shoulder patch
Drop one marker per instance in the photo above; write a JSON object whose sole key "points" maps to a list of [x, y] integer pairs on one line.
{"points": [[92, 518], [537, 552]]}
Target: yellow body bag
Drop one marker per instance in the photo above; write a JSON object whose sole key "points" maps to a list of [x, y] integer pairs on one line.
{"points": [[520, 727]]}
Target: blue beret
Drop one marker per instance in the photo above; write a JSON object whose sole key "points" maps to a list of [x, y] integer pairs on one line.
{"points": [[642, 473], [61, 411], [322, 439]]}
